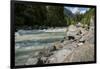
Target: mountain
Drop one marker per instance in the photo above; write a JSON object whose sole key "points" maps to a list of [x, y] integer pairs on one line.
{"points": [[68, 13]]}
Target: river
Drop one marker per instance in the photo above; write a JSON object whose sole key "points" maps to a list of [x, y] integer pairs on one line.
{"points": [[29, 41]]}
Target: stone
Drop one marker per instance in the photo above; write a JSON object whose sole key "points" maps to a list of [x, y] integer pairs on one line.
{"points": [[79, 24], [31, 61], [77, 37], [83, 31], [73, 33], [83, 39], [72, 30], [83, 53], [71, 46], [57, 46], [43, 60], [80, 44], [59, 56], [66, 42]]}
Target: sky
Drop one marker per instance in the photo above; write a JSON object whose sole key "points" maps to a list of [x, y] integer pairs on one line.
{"points": [[82, 10]]}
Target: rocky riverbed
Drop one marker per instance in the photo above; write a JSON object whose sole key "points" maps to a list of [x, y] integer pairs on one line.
{"points": [[72, 44], [76, 46]]}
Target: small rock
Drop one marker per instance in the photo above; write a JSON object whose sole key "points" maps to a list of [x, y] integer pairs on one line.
{"points": [[79, 44]]}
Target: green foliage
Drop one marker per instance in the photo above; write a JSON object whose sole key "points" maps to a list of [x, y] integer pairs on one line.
{"points": [[52, 16], [55, 16], [82, 18], [39, 15], [87, 16]]}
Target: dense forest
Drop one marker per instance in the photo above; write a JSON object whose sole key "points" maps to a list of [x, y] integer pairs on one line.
{"points": [[37, 16]]}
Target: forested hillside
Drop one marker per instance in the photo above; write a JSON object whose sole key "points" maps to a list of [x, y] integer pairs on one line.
{"points": [[82, 18], [37, 16]]}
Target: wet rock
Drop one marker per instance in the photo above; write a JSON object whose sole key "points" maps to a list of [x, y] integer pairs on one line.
{"points": [[17, 34], [36, 53]]}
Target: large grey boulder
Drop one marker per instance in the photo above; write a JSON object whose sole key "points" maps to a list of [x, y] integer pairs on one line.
{"points": [[82, 53], [87, 37], [59, 56], [73, 32]]}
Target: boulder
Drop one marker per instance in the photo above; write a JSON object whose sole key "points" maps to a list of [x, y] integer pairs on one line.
{"points": [[73, 32], [59, 56], [66, 42], [83, 53], [82, 31], [71, 45], [79, 24], [31, 61], [42, 60], [83, 39], [89, 36], [57, 46]]}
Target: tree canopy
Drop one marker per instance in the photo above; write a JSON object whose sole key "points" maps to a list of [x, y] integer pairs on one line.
{"points": [[47, 15]]}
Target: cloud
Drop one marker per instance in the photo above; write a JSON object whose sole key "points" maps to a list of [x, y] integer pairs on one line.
{"points": [[83, 10], [77, 9], [72, 9]]}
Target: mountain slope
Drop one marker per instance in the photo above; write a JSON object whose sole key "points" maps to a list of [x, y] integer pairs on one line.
{"points": [[68, 13]]}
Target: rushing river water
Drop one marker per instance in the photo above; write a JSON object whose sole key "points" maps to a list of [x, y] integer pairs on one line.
{"points": [[29, 41]]}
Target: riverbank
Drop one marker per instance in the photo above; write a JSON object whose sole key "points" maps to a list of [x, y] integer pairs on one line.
{"points": [[71, 44], [75, 49]]}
